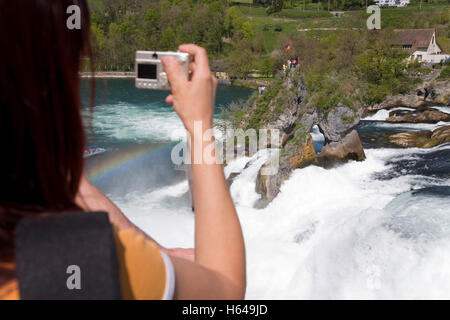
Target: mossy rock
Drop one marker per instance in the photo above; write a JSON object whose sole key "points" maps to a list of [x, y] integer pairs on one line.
{"points": [[306, 155]]}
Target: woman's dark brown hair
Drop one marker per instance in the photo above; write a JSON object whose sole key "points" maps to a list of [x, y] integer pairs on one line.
{"points": [[41, 130]]}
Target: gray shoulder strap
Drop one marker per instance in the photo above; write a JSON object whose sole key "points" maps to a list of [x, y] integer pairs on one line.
{"points": [[67, 256]]}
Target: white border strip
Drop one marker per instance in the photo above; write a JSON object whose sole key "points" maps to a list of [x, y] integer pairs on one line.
{"points": [[170, 277]]}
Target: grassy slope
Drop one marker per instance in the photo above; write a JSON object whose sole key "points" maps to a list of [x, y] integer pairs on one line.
{"points": [[267, 27], [431, 16]]}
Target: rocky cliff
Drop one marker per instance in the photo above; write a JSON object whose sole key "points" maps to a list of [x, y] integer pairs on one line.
{"points": [[284, 107]]}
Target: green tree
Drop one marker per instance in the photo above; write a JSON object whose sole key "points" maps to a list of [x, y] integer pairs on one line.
{"points": [[151, 21], [233, 21], [245, 31], [241, 60], [266, 67], [98, 46], [259, 44], [381, 67], [120, 27], [168, 39]]}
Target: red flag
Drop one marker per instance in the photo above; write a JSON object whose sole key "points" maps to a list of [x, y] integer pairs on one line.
{"points": [[288, 47]]}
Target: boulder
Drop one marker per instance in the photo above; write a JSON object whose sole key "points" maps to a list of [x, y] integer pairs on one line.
{"points": [[411, 100], [338, 122], [413, 139], [349, 148], [421, 139], [439, 136], [416, 116], [441, 92], [268, 186]]}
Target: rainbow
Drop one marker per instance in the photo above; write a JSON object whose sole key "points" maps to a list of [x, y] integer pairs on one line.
{"points": [[112, 160]]}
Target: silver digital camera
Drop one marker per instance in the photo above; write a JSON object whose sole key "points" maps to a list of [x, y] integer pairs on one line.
{"points": [[150, 72]]}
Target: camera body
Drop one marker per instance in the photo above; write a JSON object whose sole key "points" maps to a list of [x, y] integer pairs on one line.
{"points": [[150, 72]]}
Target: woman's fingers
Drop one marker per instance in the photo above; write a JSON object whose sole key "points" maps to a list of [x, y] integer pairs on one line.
{"points": [[169, 99], [174, 73], [200, 56], [193, 99], [192, 67]]}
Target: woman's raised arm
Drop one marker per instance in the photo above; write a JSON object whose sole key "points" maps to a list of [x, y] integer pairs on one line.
{"points": [[219, 268]]}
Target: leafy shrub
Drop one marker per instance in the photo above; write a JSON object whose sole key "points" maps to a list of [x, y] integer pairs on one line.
{"points": [[445, 74], [376, 93]]}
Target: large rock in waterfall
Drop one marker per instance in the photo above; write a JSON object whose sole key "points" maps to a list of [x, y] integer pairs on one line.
{"points": [[287, 112], [338, 122], [421, 139], [348, 148], [418, 116]]}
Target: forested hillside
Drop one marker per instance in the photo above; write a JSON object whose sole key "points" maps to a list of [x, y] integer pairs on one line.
{"points": [[120, 27], [245, 36]]}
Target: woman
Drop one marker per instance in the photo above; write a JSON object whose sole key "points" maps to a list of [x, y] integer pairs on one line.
{"points": [[42, 173]]}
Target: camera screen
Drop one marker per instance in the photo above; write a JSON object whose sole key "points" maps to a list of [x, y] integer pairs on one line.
{"points": [[147, 71]]}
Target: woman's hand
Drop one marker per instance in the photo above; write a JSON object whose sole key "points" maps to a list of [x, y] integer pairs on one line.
{"points": [[193, 100]]}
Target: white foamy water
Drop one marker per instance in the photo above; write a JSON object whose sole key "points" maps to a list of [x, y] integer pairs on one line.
{"points": [[161, 214], [129, 122], [124, 121], [382, 115], [332, 234], [445, 109], [410, 126], [243, 187], [316, 134]]}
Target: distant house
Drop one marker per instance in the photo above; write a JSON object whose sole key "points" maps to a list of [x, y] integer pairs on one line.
{"points": [[219, 68], [392, 3], [421, 44]]}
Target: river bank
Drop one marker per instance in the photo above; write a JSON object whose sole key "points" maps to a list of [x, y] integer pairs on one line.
{"points": [[244, 83], [108, 75]]}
